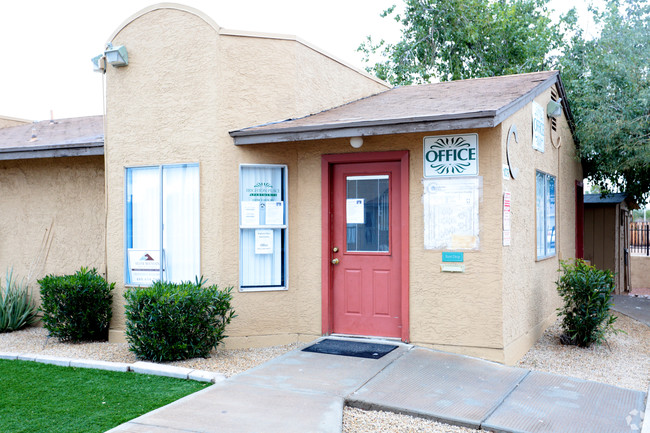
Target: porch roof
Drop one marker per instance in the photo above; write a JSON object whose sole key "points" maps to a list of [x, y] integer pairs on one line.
{"points": [[463, 104]]}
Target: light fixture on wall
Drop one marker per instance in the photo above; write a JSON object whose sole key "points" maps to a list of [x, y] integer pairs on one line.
{"points": [[356, 142], [100, 63], [116, 56], [554, 109]]}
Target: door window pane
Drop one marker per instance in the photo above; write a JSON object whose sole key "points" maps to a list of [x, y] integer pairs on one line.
{"points": [[367, 213]]}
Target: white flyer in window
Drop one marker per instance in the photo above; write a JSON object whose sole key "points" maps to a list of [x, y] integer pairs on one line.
{"points": [[250, 213], [274, 213], [263, 241], [354, 211]]}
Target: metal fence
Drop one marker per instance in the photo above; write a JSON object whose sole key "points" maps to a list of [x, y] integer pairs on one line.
{"points": [[640, 238]]}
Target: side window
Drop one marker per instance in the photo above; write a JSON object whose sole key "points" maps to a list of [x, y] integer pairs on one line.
{"points": [[545, 214], [262, 227], [162, 231]]}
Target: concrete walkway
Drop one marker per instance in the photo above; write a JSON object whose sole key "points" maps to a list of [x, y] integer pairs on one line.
{"points": [[306, 392], [637, 307]]}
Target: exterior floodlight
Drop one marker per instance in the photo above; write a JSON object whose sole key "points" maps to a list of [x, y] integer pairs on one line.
{"points": [[116, 56], [356, 142], [554, 109], [100, 63]]}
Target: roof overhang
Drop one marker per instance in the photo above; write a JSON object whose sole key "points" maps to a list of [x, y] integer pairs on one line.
{"points": [[283, 131], [52, 151]]}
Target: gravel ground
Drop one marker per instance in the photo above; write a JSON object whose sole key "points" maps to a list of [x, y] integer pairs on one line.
{"points": [[624, 361]]}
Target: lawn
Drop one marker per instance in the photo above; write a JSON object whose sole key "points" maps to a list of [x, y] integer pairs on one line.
{"points": [[45, 398]]}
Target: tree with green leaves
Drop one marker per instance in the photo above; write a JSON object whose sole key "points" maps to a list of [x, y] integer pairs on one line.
{"points": [[606, 79], [458, 39]]}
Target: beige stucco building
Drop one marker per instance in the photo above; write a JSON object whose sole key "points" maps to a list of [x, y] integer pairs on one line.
{"points": [[435, 214]]}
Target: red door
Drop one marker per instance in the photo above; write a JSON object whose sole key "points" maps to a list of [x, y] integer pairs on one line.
{"points": [[365, 249]]}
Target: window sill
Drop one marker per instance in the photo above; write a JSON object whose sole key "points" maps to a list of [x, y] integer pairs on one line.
{"points": [[263, 289]]}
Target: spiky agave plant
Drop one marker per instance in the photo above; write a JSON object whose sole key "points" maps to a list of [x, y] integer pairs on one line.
{"points": [[17, 307]]}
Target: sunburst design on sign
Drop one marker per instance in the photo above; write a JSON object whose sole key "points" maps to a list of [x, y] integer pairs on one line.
{"points": [[450, 143]]}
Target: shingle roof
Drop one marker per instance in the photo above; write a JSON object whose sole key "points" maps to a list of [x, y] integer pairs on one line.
{"points": [[478, 103], [613, 198], [64, 137]]}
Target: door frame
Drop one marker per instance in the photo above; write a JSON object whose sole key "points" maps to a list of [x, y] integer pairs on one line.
{"points": [[327, 162]]}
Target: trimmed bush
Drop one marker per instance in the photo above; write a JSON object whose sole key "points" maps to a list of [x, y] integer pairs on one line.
{"points": [[169, 322], [587, 294], [17, 308], [77, 307]]}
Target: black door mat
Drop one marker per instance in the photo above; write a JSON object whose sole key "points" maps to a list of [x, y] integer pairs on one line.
{"points": [[350, 348]]}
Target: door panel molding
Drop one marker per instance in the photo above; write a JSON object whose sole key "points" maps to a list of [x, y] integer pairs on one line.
{"points": [[327, 163]]}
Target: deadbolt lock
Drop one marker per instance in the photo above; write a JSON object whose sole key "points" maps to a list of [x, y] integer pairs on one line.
{"points": [[335, 249]]}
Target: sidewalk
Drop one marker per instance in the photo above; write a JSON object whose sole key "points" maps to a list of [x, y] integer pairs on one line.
{"points": [[637, 308], [306, 392]]}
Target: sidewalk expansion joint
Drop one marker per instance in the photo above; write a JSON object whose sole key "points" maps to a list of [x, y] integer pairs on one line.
{"points": [[506, 395], [410, 347]]}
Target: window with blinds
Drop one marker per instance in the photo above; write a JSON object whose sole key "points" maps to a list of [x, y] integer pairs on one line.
{"points": [[262, 227]]}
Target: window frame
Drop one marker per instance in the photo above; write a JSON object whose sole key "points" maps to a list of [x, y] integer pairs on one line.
{"points": [[547, 251], [160, 168], [284, 235]]}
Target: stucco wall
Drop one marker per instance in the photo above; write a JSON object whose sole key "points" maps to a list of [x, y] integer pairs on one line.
{"points": [[185, 87], [529, 293], [7, 122], [456, 312], [640, 272], [52, 216]]}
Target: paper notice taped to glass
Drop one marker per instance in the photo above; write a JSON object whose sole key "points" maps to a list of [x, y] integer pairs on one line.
{"points": [[263, 241], [354, 211]]}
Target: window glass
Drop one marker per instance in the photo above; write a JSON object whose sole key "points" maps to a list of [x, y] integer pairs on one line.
{"points": [[545, 214], [162, 208], [367, 213], [262, 227]]}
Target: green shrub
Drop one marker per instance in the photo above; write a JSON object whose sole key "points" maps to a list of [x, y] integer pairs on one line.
{"points": [[77, 307], [17, 308], [168, 321], [587, 294]]}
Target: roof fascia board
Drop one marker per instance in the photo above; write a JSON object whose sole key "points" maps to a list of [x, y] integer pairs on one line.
{"points": [[51, 152], [364, 131], [519, 103], [368, 123]]}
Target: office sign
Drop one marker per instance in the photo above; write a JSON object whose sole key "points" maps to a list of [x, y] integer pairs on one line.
{"points": [[451, 155]]}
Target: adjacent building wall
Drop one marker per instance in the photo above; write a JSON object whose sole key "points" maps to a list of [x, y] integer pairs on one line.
{"points": [[52, 216], [7, 122], [529, 294], [640, 272]]}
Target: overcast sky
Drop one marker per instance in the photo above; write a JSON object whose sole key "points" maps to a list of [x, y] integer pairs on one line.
{"points": [[46, 46]]}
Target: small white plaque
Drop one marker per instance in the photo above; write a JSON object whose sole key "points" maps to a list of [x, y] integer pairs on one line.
{"points": [[538, 127], [452, 267]]}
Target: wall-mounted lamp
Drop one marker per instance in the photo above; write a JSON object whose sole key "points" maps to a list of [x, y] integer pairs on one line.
{"points": [[356, 142], [100, 63], [554, 109], [116, 56]]}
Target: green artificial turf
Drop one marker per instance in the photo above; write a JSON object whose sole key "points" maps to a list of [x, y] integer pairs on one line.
{"points": [[45, 398]]}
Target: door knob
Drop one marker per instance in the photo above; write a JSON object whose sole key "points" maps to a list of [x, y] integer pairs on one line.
{"points": [[335, 261]]}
